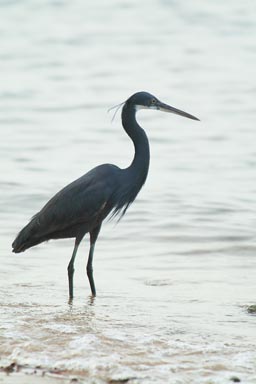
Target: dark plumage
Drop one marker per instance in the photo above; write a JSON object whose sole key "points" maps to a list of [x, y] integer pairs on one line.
{"points": [[81, 206]]}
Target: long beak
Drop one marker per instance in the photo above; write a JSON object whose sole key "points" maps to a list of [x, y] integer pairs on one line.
{"points": [[167, 108]]}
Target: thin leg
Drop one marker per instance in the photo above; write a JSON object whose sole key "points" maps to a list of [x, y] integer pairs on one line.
{"points": [[89, 268], [71, 269]]}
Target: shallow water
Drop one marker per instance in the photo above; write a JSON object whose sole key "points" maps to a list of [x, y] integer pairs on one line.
{"points": [[176, 275]]}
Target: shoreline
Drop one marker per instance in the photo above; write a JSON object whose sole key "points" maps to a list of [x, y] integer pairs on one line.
{"points": [[19, 374]]}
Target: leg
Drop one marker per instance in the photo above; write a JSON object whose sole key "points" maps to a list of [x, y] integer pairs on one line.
{"points": [[71, 269], [93, 237]]}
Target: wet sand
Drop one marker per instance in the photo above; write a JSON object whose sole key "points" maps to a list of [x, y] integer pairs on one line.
{"points": [[16, 374], [32, 378]]}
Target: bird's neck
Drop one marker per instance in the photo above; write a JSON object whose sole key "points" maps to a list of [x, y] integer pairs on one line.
{"points": [[138, 169]]}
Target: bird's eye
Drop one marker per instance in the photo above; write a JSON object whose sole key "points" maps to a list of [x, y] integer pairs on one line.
{"points": [[153, 101]]}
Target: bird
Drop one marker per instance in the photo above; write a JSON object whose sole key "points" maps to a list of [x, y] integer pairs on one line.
{"points": [[105, 191]]}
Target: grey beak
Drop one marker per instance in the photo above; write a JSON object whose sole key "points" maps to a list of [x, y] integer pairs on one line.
{"points": [[167, 108]]}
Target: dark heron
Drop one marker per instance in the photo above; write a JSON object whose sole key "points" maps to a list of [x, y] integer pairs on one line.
{"points": [[82, 206]]}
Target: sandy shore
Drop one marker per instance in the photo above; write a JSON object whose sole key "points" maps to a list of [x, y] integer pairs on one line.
{"points": [[22, 378], [19, 378], [14, 374], [23, 375], [46, 378]]}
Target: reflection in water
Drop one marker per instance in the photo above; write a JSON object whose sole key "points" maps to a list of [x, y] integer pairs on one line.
{"points": [[91, 301], [176, 276]]}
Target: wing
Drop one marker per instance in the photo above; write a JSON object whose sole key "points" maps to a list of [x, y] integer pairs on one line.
{"points": [[79, 202]]}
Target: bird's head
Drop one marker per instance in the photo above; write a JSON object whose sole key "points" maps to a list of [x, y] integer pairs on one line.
{"points": [[144, 100]]}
